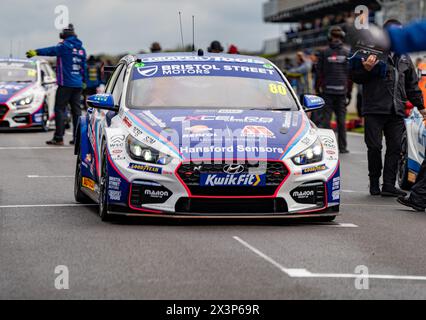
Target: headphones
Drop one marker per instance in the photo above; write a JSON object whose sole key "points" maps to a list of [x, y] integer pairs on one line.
{"points": [[336, 32]]}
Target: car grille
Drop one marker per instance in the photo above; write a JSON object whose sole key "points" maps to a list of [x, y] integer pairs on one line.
{"points": [[276, 173], [3, 110], [231, 206]]}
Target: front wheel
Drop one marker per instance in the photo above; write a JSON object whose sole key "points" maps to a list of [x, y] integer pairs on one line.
{"points": [[45, 119], [103, 189], [403, 171]]}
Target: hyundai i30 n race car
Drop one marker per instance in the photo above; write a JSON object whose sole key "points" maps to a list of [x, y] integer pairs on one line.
{"points": [[27, 93], [413, 149], [186, 135]]}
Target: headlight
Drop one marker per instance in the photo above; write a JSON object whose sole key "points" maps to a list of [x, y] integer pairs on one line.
{"points": [[311, 155], [23, 102], [141, 152]]}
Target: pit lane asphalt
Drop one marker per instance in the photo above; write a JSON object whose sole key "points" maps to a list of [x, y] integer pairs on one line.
{"points": [[142, 259]]}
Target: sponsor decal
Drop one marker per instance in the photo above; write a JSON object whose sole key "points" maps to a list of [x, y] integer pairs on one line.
{"points": [[307, 141], [239, 148], [117, 142], [336, 184], [4, 92], [191, 58], [300, 195], [127, 122], [114, 195], [88, 158], [153, 192], [328, 142], [158, 194], [38, 118], [198, 129], [137, 132], [336, 195], [149, 140], [230, 111], [224, 180], [145, 168], [257, 132], [232, 119], [318, 168], [88, 183], [114, 183], [147, 71]]}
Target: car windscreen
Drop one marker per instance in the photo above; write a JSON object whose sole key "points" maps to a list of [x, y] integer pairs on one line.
{"points": [[18, 72], [208, 85]]}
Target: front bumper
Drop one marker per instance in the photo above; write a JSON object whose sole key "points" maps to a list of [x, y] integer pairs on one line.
{"points": [[20, 119], [290, 195]]}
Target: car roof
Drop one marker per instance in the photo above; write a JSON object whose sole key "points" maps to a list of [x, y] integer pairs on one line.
{"points": [[225, 56], [18, 60]]}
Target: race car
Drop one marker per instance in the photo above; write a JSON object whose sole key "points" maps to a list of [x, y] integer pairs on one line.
{"points": [[27, 93], [413, 149], [216, 135]]}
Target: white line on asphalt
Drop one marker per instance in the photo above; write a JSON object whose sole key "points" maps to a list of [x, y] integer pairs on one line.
{"points": [[33, 148], [46, 205], [342, 225], [351, 191], [370, 205], [304, 273], [47, 177]]}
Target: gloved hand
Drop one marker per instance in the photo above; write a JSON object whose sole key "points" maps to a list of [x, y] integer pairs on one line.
{"points": [[31, 53]]}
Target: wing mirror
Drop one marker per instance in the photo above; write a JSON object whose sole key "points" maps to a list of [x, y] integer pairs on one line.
{"points": [[103, 101], [312, 103]]}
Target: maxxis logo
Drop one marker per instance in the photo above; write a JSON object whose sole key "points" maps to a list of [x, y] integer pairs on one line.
{"points": [[148, 71]]}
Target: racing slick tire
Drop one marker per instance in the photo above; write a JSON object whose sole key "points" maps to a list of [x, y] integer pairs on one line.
{"points": [[103, 188], [78, 194], [403, 165], [45, 118]]}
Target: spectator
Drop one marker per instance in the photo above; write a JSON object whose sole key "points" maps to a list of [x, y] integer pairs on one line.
{"points": [[215, 47], [233, 49], [302, 73], [155, 47], [93, 76]]}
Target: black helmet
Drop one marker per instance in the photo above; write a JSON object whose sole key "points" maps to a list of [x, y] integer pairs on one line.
{"points": [[215, 46], [67, 32]]}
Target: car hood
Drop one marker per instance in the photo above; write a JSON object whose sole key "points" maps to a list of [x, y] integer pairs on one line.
{"points": [[10, 89], [237, 131]]}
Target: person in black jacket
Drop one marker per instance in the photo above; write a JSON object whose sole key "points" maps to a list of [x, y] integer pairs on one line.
{"points": [[333, 74], [384, 97]]}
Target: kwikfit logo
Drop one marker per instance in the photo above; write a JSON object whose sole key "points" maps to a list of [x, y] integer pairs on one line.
{"points": [[232, 180]]}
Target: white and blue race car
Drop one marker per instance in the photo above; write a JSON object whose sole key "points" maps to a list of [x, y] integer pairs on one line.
{"points": [[413, 149], [216, 135], [27, 93]]}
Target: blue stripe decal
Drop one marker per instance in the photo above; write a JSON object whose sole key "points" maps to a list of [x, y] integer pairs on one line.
{"points": [[296, 141]]}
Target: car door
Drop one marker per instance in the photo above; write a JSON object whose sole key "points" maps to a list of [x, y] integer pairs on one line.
{"points": [[49, 83], [97, 117]]}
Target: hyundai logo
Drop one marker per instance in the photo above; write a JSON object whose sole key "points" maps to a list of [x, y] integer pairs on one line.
{"points": [[233, 168]]}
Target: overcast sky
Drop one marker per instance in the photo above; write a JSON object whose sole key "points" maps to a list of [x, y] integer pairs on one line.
{"points": [[112, 26]]}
